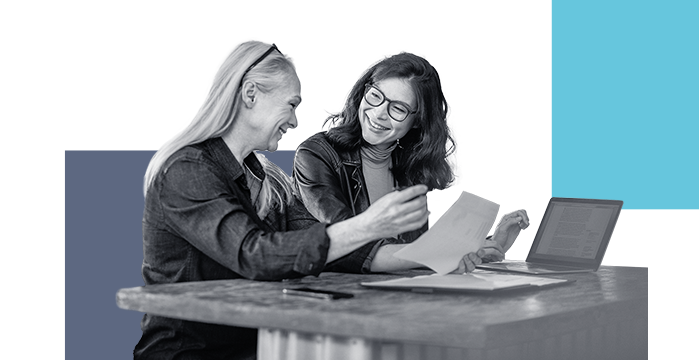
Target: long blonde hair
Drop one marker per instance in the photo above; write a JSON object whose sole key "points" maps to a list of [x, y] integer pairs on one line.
{"points": [[217, 115]]}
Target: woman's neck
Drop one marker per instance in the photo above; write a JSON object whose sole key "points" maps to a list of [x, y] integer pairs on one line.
{"points": [[380, 146], [237, 144], [377, 153]]}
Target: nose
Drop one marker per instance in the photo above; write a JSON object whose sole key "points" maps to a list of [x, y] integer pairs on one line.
{"points": [[381, 111], [293, 122]]}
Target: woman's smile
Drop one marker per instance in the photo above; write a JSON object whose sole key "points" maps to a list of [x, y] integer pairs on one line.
{"points": [[375, 125]]}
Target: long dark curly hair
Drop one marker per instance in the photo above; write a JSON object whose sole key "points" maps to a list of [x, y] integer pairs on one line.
{"points": [[421, 157]]}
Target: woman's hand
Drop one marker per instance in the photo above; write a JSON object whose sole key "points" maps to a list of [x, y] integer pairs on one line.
{"points": [[491, 251], [469, 261], [509, 227], [393, 214], [397, 212]]}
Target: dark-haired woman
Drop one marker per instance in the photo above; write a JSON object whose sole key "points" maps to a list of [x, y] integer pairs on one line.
{"points": [[391, 134]]}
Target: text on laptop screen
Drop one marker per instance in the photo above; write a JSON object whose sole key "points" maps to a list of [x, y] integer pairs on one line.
{"points": [[575, 230]]}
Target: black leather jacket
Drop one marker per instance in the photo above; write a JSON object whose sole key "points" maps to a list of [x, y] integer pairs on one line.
{"points": [[332, 186]]}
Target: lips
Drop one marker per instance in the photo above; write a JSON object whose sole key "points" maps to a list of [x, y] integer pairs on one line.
{"points": [[375, 125]]}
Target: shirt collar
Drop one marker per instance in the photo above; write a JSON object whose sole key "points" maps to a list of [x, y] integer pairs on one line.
{"points": [[223, 155]]}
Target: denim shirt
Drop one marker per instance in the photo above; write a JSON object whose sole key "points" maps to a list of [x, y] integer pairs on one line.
{"points": [[200, 224]]}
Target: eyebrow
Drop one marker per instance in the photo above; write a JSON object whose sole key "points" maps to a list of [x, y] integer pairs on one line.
{"points": [[394, 100]]}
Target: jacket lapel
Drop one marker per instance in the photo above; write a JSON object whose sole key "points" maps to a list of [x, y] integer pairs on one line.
{"points": [[356, 188]]}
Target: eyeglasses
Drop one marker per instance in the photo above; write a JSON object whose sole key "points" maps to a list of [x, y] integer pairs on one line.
{"points": [[397, 110], [269, 51]]}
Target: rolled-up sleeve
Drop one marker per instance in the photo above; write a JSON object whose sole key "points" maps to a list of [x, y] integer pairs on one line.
{"points": [[200, 207]]}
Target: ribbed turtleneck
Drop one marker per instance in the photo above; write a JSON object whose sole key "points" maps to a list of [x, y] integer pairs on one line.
{"points": [[376, 165], [377, 156]]}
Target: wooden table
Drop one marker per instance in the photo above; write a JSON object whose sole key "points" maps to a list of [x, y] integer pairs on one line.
{"points": [[602, 315]]}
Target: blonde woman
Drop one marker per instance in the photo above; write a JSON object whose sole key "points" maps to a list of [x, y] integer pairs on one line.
{"points": [[214, 209]]}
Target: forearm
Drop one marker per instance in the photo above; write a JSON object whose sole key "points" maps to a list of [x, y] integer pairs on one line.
{"points": [[345, 237], [385, 261]]}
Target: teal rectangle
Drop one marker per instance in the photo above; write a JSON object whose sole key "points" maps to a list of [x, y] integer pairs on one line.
{"points": [[626, 102]]}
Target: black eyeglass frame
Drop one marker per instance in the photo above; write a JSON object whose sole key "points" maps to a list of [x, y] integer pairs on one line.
{"points": [[262, 57], [366, 91]]}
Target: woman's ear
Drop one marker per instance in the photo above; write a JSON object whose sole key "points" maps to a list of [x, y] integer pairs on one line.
{"points": [[247, 93]]}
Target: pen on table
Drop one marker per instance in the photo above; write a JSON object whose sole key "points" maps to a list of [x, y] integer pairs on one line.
{"points": [[317, 293], [307, 294]]}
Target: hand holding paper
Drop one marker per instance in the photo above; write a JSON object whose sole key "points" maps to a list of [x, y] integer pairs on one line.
{"points": [[461, 230]]}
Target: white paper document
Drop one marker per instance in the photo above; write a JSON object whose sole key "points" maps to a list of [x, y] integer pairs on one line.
{"points": [[477, 281], [461, 230]]}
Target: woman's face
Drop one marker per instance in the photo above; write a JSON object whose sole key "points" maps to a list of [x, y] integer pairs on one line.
{"points": [[380, 129], [276, 113]]}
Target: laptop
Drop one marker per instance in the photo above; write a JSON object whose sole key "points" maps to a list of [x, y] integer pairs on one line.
{"points": [[572, 238]]}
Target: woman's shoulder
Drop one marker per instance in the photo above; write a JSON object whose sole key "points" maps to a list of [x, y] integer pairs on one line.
{"points": [[195, 152], [191, 157], [316, 140], [314, 149], [318, 144]]}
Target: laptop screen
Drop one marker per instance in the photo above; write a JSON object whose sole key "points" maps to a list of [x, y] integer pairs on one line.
{"points": [[575, 232]]}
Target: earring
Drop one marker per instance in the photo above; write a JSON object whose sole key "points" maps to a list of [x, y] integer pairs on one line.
{"points": [[398, 143]]}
